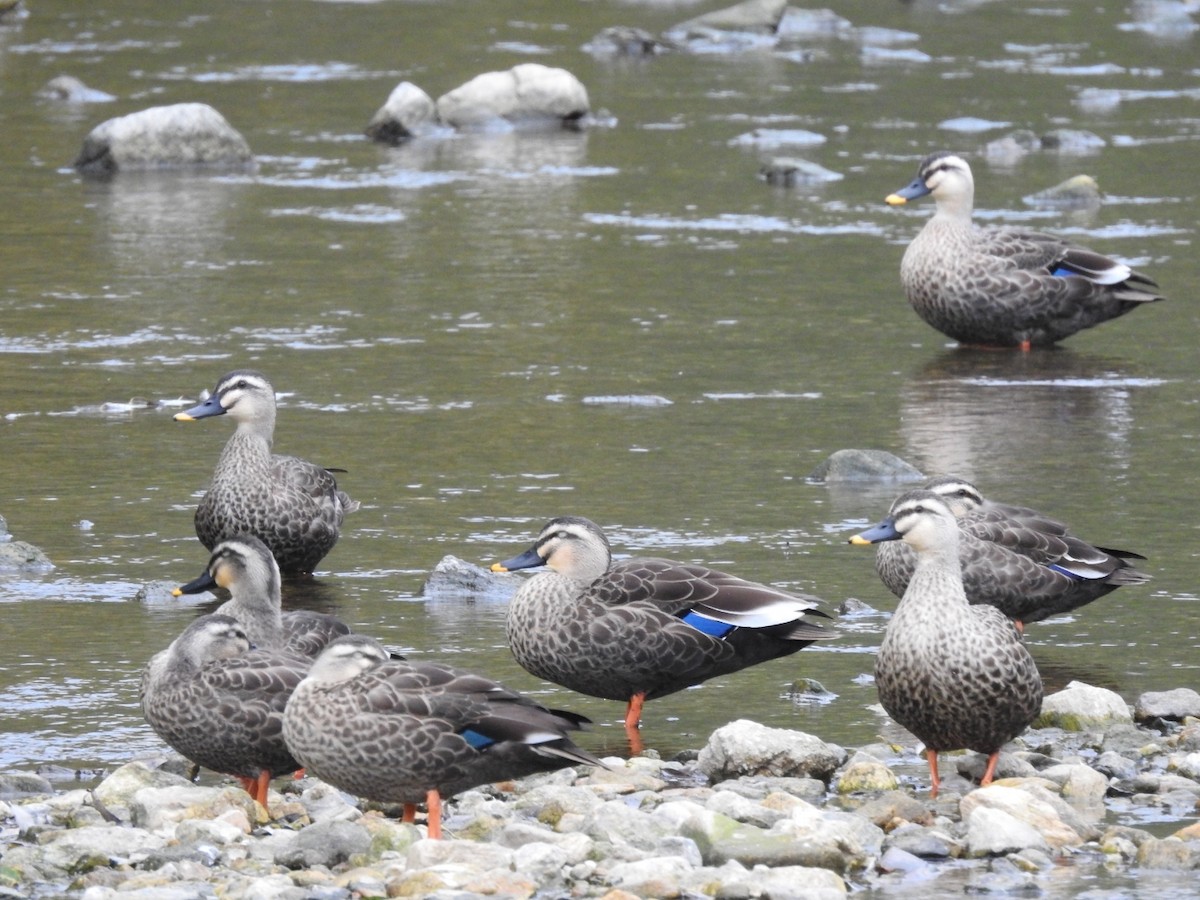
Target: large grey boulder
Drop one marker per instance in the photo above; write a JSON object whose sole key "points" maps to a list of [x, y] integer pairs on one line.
{"points": [[408, 112], [185, 135], [527, 95]]}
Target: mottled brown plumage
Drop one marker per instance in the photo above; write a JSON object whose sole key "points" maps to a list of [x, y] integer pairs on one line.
{"points": [[1028, 566], [293, 506], [642, 628], [402, 732], [956, 675], [1005, 287], [220, 704]]}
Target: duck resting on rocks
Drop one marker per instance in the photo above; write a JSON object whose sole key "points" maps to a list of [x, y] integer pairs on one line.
{"points": [[954, 674], [219, 703], [402, 732], [640, 629], [292, 506], [1027, 565], [1005, 287]]}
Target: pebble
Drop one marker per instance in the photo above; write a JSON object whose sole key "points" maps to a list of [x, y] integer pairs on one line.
{"points": [[756, 812]]}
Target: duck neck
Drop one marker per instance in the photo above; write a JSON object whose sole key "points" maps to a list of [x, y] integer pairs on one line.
{"points": [[937, 577]]}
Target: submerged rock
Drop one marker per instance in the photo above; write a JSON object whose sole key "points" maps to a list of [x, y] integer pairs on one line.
{"points": [[864, 465], [1077, 192], [622, 40], [70, 89], [456, 579], [185, 135], [786, 171]]}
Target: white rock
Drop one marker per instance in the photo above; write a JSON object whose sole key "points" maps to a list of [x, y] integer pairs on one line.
{"points": [[178, 136], [1037, 812], [408, 112], [1081, 707], [748, 748], [526, 94], [993, 832]]}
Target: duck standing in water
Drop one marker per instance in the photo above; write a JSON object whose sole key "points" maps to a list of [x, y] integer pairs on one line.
{"points": [[1025, 564], [246, 568], [1004, 287], [640, 629], [219, 703], [957, 676], [401, 732], [293, 506]]}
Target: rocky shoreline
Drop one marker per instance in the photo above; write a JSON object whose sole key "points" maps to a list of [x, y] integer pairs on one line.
{"points": [[757, 812]]}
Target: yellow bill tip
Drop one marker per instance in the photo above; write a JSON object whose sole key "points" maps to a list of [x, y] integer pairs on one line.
{"points": [[859, 540], [894, 200], [176, 592], [496, 567], [183, 417]]}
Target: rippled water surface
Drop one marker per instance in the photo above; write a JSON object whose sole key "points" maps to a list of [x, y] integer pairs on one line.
{"points": [[625, 323]]}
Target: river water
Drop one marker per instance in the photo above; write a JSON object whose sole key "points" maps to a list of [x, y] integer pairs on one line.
{"points": [[625, 323]]}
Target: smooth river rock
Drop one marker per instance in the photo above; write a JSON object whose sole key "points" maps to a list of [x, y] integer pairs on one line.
{"points": [[184, 135]]}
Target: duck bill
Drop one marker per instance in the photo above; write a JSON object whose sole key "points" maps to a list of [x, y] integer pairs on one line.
{"points": [[884, 531], [210, 407], [911, 192], [527, 560], [204, 583]]}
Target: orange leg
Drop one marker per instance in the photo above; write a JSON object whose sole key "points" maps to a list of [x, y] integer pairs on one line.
{"points": [[1026, 346], [410, 813], [260, 788], [990, 772], [934, 781], [256, 787], [298, 774], [633, 719], [1020, 627], [433, 803]]}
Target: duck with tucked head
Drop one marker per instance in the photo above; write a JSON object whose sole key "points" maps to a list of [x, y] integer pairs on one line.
{"points": [[395, 731], [1027, 565], [954, 674], [640, 629], [1005, 287], [291, 505], [245, 567], [220, 703]]}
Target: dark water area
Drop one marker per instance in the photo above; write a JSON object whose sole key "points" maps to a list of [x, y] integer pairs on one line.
{"points": [[627, 323]]}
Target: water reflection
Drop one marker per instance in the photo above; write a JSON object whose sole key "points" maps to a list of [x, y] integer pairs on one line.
{"points": [[159, 222], [971, 411]]}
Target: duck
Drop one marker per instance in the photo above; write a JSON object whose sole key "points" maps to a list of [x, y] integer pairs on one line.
{"points": [[397, 731], [1025, 564], [955, 674], [640, 629], [1005, 287], [246, 568], [217, 701], [294, 506]]}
